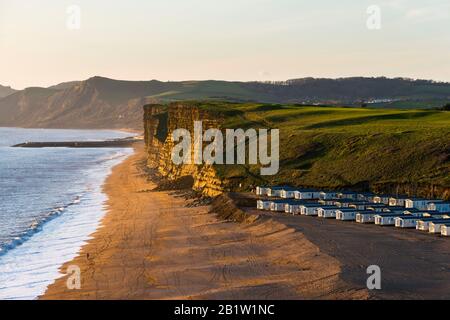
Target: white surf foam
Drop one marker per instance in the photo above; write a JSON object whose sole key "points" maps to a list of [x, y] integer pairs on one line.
{"points": [[27, 270]]}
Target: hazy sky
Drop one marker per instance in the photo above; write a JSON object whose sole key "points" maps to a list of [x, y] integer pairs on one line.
{"points": [[218, 39]]}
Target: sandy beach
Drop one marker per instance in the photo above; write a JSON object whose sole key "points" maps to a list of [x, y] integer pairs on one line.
{"points": [[151, 246]]}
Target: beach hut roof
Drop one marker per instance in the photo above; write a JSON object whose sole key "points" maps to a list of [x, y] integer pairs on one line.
{"points": [[409, 217], [366, 193], [279, 187], [389, 214], [445, 223], [396, 208], [328, 207], [414, 210], [424, 199], [277, 201], [348, 191], [378, 205], [311, 205], [306, 190], [293, 202], [345, 201], [432, 219]]}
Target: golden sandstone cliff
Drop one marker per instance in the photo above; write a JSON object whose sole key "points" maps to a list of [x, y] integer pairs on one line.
{"points": [[159, 123]]}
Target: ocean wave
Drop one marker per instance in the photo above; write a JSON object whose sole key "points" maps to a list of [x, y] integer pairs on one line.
{"points": [[37, 225], [52, 213]]}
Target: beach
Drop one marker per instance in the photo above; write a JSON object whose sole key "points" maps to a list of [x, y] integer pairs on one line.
{"points": [[151, 246]]}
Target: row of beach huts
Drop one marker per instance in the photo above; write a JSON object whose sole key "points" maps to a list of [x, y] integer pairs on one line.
{"points": [[428, 215]]}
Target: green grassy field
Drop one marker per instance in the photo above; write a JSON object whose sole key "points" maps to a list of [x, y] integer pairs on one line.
{"points": [[337, 147]]}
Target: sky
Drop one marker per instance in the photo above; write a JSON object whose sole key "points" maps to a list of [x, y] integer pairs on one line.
{"points": [[46, 42]]}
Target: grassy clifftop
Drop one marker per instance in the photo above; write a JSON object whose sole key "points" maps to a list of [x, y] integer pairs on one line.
{"points": [[389, 150]]}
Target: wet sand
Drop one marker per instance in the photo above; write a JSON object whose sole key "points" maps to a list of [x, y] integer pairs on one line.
{"points": [[151, 246]]}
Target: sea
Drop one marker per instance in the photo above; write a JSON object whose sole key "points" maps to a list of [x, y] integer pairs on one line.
{"points": [[51, 201]]}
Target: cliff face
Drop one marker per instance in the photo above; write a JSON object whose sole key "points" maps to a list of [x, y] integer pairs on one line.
{"points": [[159, 123]]}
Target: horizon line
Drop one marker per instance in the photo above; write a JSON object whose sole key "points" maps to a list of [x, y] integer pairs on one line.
{"points": [[239, 81]]}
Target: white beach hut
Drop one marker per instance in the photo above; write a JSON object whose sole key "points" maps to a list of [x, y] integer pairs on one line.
{"points": [[435, 226], [419, 203], [347, 195], [328, 202], [445, 231], [383, 199], [359, 205], [327, 212], [395, 209], [366, 216], [411, 220], [365, 196], [264, 204], [346, 214], [278, 205], [397, 201], [262, 191], [294, 206], [439, 206], [413, 211], [406, 221], [328, 195], [343, 203], [377, 207], [386, 219], [306, 194], [275, 191], [287, 193], [260, 204], [310, 209], [424, 223]]}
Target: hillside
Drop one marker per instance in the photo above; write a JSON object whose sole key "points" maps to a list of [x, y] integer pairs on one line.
{"points": [[6, 91], [105, 103], [396, 151]]}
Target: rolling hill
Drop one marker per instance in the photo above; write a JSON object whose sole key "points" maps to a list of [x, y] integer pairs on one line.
{"points": [[106, 103]]}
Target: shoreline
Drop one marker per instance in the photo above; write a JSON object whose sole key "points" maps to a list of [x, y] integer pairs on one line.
{"points": [[150, 245], [32, 261]]}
